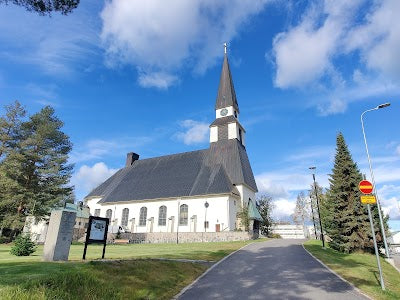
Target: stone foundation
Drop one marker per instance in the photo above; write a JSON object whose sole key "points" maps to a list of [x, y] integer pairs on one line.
{"points": [[184, 237]]}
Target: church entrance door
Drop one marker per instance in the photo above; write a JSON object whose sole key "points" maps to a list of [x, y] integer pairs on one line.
{"points": [[217, 227]]}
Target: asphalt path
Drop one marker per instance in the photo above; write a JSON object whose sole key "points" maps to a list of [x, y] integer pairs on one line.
{"points": [[278, 269]]}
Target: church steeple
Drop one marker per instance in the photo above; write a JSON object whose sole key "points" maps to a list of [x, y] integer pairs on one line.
{"points": [[226, 92], [226, 125]]}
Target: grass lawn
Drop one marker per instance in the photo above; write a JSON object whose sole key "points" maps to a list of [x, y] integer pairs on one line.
{"points": [[135, 276], [202, 251], [360, 269]]}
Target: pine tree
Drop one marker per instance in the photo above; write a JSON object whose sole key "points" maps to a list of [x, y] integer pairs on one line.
{"points": [[34, 173]]}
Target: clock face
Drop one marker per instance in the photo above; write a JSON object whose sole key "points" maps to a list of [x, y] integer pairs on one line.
{"points": [[224, 112]]}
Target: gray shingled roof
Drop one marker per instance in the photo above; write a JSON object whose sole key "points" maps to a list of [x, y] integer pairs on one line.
{"points": [[203, 172], [226, 92], [225, 120]]}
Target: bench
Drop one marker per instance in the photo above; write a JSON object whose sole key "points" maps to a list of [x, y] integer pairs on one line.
{"points": [[121, 241]]}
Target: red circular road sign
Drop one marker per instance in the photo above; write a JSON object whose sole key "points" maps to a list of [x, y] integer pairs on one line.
{"points": [[365, 187]]}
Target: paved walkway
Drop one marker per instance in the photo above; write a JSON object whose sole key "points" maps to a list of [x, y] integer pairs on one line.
{"points": [[278, 269]]}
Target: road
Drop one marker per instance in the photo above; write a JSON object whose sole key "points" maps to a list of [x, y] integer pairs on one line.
{"points": [[277, 269]]}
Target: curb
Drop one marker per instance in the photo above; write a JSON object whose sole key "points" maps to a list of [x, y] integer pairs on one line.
{"points": [[205, 273], [337, 275]]}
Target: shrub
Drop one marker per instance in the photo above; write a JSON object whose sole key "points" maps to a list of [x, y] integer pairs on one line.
{"points": [[23, 245]]}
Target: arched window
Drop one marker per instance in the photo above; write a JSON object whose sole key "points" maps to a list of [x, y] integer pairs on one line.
{"points": [[183, 215], [125, 216], [162, 216], [143, 216], [109, 214]]}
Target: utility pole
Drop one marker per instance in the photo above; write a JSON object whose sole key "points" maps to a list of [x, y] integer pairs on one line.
{"points": [[313, 219], [319, 213]]}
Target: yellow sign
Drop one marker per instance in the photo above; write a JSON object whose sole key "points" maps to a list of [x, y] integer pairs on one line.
{"points": [[368, 199]]}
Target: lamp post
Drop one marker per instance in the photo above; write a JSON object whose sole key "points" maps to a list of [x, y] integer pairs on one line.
{"points": [[372, 176], [319, 214], [313, 219], [205, 216]]}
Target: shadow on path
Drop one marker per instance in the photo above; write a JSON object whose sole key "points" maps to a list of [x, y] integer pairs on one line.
{"points": [[278, 269]]}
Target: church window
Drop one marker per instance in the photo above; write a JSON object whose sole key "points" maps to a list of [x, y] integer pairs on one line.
{"points": [[125, 216], [183, 215], [235, 114], [109, 214], [97, 212], [143, 216], [240, 134], [162, 216]]}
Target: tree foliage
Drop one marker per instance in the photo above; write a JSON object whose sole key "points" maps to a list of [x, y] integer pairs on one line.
{"points": [[23, 245], [34, 172], [44, 7], [265, 207], [302, 210], [348, 226], [243, 214]]}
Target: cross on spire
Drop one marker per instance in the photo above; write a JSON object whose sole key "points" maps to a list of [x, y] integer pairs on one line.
{"points": [[225, 46]]}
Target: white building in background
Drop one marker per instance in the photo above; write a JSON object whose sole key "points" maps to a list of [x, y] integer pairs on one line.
{"points": [[194, 191]]}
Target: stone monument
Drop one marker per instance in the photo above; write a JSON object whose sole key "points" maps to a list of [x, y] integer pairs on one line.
{"points": [[59, 235]]}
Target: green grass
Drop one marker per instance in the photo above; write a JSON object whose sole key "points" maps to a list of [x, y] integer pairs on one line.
{"points": [[132, 275], [360, 269], [201, 251], [132, 279]]}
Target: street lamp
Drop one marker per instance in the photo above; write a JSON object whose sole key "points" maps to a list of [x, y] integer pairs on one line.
{"points": [[205, 216], [319, 214], [372, 175], [313, 219]]}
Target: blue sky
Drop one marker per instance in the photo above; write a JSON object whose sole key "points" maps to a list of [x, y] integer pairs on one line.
{"points": [[143, 77]]}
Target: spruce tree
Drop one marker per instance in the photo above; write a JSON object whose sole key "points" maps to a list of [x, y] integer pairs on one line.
{"points": [[349, 226]]}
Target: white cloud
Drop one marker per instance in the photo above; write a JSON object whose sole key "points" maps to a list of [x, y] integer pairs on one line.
{"points": [[159, 80], [194, 132], [283, 209], [329, 34], [88, 177], [98, 148], [52, 44], [160, 38], [335, 106], [304, 53], [378, 39], [390, 201]]}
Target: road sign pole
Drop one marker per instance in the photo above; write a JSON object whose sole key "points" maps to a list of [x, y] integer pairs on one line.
{"points": [[373, 179], [376, 247]]}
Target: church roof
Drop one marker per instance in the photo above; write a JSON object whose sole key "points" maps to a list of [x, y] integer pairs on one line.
{"points": [[225, 120], [210, 171], [226, 92]]}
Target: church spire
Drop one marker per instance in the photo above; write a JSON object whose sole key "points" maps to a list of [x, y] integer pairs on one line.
{"points": [[226, 92]]}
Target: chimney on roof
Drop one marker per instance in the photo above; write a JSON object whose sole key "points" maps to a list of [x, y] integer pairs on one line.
{"points": [[130, 158]]}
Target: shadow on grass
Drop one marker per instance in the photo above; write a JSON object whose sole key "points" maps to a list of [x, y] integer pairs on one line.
{"points": [[134, 279]]}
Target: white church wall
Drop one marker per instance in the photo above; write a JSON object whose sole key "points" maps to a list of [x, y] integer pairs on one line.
{"points": [[213, 134], [220, 212], [246, 193]]}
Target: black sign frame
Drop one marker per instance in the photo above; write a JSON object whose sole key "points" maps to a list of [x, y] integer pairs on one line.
{"points": [[93, 241]]}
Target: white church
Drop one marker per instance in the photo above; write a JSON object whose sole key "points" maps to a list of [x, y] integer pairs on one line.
{"points": [[198, 191]]}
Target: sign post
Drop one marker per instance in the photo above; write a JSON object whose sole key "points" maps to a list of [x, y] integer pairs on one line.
{"points": [[366, 188], [96, 233]]}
